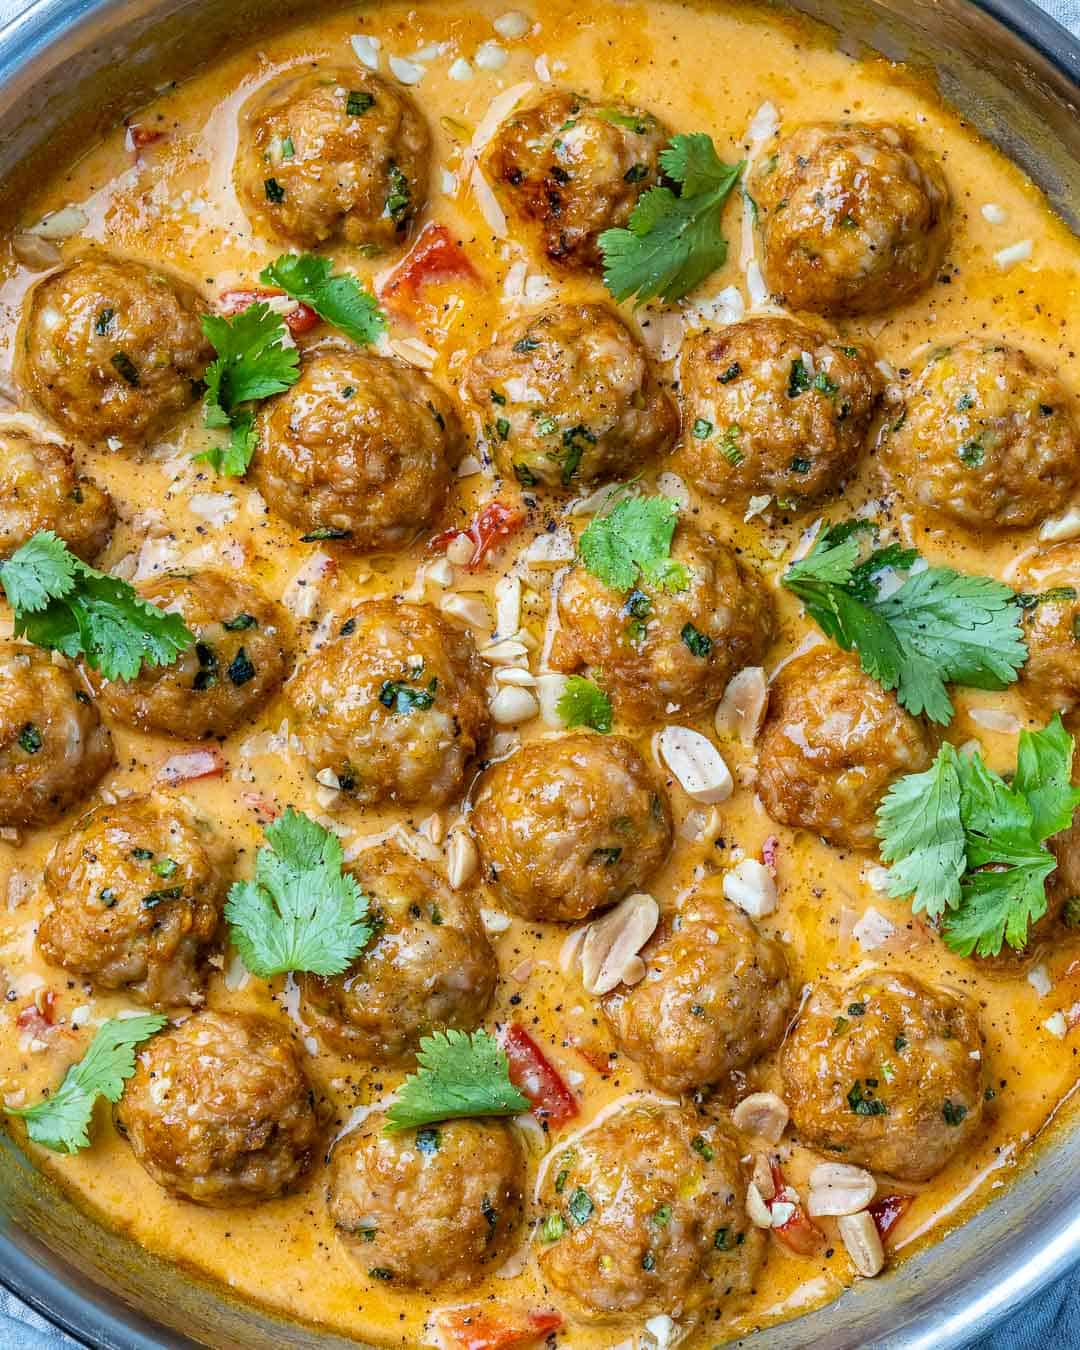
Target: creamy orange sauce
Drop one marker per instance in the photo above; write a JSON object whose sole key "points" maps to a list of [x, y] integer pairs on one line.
{"points": [[698, 69]]}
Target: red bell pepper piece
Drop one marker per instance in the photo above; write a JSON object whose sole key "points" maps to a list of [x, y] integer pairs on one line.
{"points": [[494, 1327], [436, 256], [799, 1234], [299, 320], [887, 1211], [535, 1076], [202, 762], [494, 524]]}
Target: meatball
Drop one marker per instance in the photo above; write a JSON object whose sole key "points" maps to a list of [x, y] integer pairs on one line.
{"points": [[394, 705], [771, 406], [575, 168], [54, 748], [645, 1215], [1050, 604], [239, 658], [435, 1206], [986, 438], [428, 967], [887, 1073], [567, 826], [832, 744], [717, 998], [362, 446], [333, 154], [112, 349], [220, 1110], [569, 396], [135, 893], [40, 489], [853, 218], [659, 649]]}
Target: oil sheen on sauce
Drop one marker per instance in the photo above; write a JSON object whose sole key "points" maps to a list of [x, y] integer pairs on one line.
{"points": [[698, 69]]}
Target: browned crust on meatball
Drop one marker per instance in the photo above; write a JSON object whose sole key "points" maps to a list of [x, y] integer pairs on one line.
{"points": [[1049, 589], [41, 489]]}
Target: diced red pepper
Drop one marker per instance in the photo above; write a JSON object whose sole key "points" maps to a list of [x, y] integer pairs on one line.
{"points": [[139, 136], [535, 1076], [261, 805], [40, 1015], [494, 1327], [436, 256], [203, 762], [800, 1234], [301, 319], [494, 524], [888, 1211]]}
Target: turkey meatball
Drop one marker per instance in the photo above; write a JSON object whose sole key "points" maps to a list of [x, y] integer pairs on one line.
{"points": [[853, 218], [135, 893], [435, 1206], [239, 658], [40, 489], [362, 447], [771, 406], [220, 1110], [428, 966], [717, 998], [1050, 604], [570, 825], [54, 748], [575, 168], [112, 349], [662, 649], [832, 744], [332, 154], [887, 1073], [645, 1215], [394, 705], [986, 438], [569, 396]]}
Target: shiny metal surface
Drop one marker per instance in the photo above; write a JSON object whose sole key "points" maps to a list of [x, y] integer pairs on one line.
{"points": [[70, 66]]}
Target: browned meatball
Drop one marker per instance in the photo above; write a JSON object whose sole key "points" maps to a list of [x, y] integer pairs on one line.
{"points": [[112, 349], [887, 1073], [771, 406], [220, 1110], [240, 657], [569, 396], [40, 489], [54, 748], [1050, 600], [832, 744], [436, 1206], [645, 1214], [333, 154], [394, 705], [135, 893], [660, 650], [567, 826], [428, 967], [716, 998], [362, 446], [575, 168], [986, 438], [853, 218]]}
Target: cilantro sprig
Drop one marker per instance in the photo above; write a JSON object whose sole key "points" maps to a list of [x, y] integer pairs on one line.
{"points": [[458, 1074], [61, 1121], [340, 300], [940, 627], [632, 542], [674, 240], [301, 911], [584, 704], [970, 848], [253, 362], [64, 605]]}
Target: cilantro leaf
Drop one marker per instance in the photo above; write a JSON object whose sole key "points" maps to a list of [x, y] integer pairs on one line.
{"points": [[584, 704], [940, 627], [62, 1121], [633, 540], [301, 911], [674, 241], [458, 1075], [970, 848], [340, 300], [62, 604]]}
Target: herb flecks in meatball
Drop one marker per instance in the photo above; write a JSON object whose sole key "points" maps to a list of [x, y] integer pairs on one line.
{"points": [[854, 218], [333, 154], [773, 407], [575, 169], [41, 489], [569, 396], [886, 1073]]}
